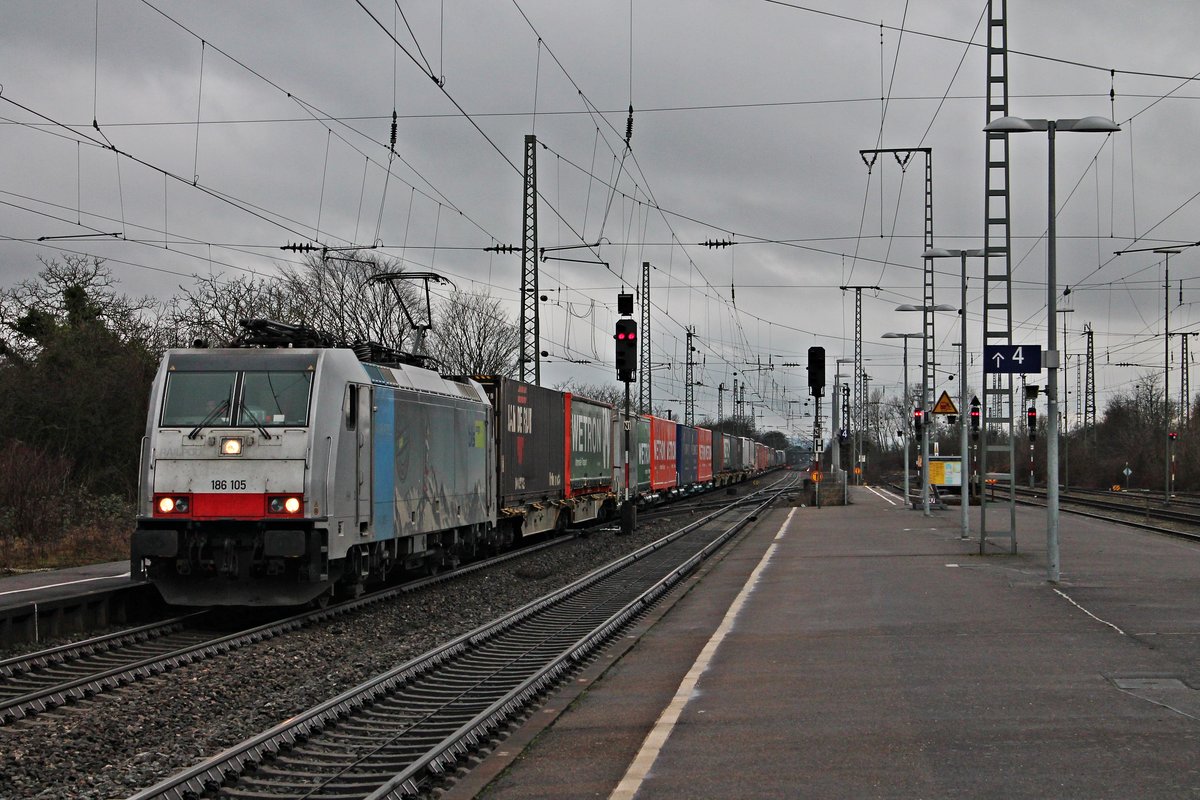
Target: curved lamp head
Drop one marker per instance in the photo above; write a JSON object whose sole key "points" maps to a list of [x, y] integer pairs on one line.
{"points": [[1014, 125], [1022, 125], [1090, 125]]}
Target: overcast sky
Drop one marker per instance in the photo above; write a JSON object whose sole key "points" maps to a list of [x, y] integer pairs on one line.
{"points": [[248, 125]]}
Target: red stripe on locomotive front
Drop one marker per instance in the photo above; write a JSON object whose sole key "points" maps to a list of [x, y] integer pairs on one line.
{"points": [[229, 505]]}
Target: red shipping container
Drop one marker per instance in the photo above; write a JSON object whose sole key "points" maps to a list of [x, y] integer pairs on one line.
{"points": [[705, 469], [662, 453]]}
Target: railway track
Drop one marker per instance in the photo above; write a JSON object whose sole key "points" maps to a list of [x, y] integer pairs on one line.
{"points": [[73, 673], [1126, 505], [48, 678], [1187, 523], [393, 735]]}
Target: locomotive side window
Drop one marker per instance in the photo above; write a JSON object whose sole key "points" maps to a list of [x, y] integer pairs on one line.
{"points": [[193, 398], [351, 407], [275, 398]]}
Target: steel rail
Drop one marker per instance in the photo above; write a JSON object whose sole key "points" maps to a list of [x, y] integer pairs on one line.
{"points": [[1125, 508], [95, 681], [505, 645], [65, 653]]}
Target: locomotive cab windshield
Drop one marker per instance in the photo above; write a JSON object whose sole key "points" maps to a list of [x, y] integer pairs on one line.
{"points": [[258, 399]]}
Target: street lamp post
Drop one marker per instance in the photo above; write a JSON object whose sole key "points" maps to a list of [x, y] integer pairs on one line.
{"points": [[1050, 126], [907, 403], [938, 252], [834, 442], [1066, 427], [1166, 253], [927, 420]]}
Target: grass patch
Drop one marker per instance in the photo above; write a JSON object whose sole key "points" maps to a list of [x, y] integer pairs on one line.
{"points": [[84, 544]]}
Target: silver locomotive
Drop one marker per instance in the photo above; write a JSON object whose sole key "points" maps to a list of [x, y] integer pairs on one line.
{"points": [[279, 475]]}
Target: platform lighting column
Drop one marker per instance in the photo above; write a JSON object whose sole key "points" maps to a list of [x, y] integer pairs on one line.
{"points": [[1050, 126], [926, 418], [965, 445], [836, 426], [907, 406], [1167, 252]]}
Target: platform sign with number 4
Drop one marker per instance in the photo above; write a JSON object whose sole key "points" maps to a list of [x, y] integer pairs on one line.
{"points": [[1012, 359]]}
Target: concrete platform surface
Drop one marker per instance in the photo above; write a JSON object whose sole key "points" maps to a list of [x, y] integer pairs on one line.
{"points": [[877, 655], [41, 585]]}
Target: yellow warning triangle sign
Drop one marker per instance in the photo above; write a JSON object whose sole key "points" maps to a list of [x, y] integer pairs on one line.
{"points": [[945, 405]]}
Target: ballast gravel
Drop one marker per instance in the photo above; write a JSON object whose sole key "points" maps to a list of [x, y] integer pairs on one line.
{"points": [[122, 742]]}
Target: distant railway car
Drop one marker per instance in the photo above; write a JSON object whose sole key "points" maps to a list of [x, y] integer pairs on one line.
{"points": [[639, 456], [589, 457], [724, 459], [761, 457], [662, 454], [531, 456], [733, 455], [704, 450], [686, 455], [746, 453], [270, 476]]}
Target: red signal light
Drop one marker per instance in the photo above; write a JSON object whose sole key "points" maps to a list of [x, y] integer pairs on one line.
{"points": [[626, 350]]}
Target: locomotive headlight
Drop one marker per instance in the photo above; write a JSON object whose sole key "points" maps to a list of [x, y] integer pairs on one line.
{"points": [[284, 504], [231, 446], [165, 504]]}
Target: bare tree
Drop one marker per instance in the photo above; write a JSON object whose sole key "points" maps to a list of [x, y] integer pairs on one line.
{"points": [[473, 336], [332, 292], [42, 302], [613, 394], [213, 308]]}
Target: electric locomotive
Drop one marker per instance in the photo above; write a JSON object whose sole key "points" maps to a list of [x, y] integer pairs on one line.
{"points": [[274, 474]]}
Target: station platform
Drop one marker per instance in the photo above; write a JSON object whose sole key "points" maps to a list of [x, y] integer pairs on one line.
{"points": [[40, 606], [867, 651], [54, 584]]}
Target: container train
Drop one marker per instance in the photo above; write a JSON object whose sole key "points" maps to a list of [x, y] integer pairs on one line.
{"points": [[285, 469]]}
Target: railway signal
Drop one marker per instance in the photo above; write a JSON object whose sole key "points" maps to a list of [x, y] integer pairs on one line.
{"points": [[975, 417], [918, 420], [1031, 420], [627, 349], [816, 371], [1172, 436]]}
